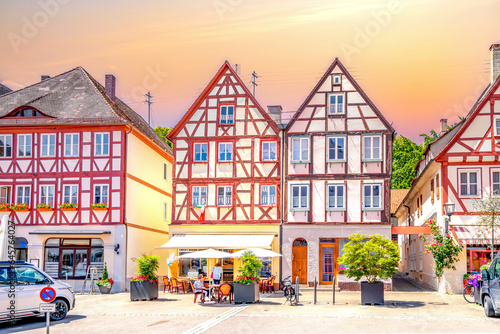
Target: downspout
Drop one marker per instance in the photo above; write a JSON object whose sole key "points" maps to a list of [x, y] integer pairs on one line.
{"points": [[125, 201], [282, 197]]}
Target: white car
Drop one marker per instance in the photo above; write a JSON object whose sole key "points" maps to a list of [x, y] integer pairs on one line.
{"points": [[20, 287]]}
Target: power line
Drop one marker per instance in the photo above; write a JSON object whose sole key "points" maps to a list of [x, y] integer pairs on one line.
{"points": [[254, 76], [148, 101]]}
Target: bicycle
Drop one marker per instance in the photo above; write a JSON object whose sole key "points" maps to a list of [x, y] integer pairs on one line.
{"points": [[468, 293], [289, 292]]}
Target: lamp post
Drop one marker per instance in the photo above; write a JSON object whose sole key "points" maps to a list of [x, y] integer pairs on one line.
{"points": [[449, 210]]}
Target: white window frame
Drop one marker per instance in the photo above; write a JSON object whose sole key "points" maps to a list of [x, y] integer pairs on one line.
{"points": [[271, 144], [372, 149], [227, 120], [71, 144], [267, 199], [165, 211], [225, 144], [227, 196], [304, 144], [380, 202], [73, 196], [468, 172], [101, 187], [335, 207], [300, 207], [6, 144], [334, 79], [165, 171], [493, 183], [102, 149], [201, 152], [6, 194], [497, 126], [336, 159], [200, 197], [25, 197], [336, 104], [25, 145], [48, 145], [47, 194]]}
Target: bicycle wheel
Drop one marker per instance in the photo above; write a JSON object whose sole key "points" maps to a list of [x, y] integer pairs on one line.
{"points": [[468, 293]]}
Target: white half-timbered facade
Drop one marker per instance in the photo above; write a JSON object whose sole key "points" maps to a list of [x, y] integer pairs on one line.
{"points": [[338, 151]]}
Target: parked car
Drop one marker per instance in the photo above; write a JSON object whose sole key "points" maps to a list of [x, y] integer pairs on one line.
{"points": [[20, 287], [490, 291]]}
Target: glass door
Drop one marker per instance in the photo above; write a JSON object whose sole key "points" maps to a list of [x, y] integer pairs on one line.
{"points": [[328, 258]]}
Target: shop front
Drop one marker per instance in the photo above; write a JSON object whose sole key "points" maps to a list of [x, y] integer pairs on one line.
{"points": [[477, 241]]}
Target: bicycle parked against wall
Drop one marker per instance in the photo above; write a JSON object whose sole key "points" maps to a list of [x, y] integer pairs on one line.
{"points": [[289, 291]]}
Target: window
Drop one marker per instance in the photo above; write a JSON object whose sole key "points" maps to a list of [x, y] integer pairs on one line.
{"points": [[336, 197], [336, 103], [101, 193], [29, 276], [46, 194], [70, 194], [200, 152], [165, 211], [418, 207], [268, 195], [371, 197], [226, 114], [102, 144], [24, 146], [5, 146], [23, 194], [437, 186], [300, 149], [28, 113], [497, 126], [225, 152], [4, 194], [432, 191], [421, 205], [165, 171], [48, 145], [336, 148], [269, 151], [300, 197], [468, 183], [72, 256], [71, 144], [336, 79], [372, 147], [495, 183], [199, 196], [224, 196]]}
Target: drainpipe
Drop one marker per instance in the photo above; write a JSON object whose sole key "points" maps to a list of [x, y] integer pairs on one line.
{"points": [[125, 250], [282, 197]]}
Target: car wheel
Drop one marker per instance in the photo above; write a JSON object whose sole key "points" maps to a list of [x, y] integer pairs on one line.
{"points": [[61, 310], [488, 307]]}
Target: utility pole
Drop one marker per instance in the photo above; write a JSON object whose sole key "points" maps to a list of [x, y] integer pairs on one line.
{"points": [[148, 101], [254, 76]]}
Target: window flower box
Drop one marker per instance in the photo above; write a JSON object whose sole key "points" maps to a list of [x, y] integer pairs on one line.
{"points": [[68, 206], [99, 206], [4, 207], [44, 207], [20, 207]]}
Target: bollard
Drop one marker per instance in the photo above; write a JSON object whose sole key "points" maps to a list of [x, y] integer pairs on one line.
{"points": [[314, 290], [297, 290], [333, 285]]}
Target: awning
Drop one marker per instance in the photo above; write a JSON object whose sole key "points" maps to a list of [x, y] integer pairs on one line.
{"points": [[219, 241], [88, 232], [476, 235]]}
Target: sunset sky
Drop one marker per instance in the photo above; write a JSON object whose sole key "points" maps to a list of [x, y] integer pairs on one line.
{"points": [[419, 60]]}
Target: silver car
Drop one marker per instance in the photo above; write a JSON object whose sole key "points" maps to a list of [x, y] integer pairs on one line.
{"points": [[20, 287]]}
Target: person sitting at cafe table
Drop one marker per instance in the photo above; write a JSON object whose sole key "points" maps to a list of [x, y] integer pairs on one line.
{"points": [[217, 273], [200, 288]]}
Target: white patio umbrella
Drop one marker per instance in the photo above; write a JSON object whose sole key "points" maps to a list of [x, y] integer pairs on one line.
{"points": [[259, 252], [207, 254]]}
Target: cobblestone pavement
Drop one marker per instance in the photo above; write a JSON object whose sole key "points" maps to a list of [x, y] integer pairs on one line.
{"points": [[403, 312]]}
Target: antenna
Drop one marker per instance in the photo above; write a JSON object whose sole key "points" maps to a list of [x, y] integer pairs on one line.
{"points": [[148, 101], [254, 76]]}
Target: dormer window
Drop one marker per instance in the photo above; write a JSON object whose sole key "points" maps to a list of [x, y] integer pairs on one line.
{"points": [[28, 112]]}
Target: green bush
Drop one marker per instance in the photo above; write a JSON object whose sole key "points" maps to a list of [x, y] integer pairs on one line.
{"points": [[147, 266], [249, 270], [376, 258]]}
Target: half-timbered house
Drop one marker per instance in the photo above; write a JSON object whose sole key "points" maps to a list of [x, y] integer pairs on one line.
{"points": [[226, 175], [460, 167], [338, 150], [85, 180]]}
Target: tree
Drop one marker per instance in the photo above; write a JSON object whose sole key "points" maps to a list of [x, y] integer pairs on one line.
{"points": [[163, 132], [488, 208], [429, 139], [405, 154]]}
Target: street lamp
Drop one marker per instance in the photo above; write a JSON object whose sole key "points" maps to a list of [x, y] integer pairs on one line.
{"points": [[449, 210]]}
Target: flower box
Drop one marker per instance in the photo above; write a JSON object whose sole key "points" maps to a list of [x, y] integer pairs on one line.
{"points": [[69, 209], [246, 293], [143, 290], [23, 209], [99, 209], [45, 209], [372, 293], [4, 210]]}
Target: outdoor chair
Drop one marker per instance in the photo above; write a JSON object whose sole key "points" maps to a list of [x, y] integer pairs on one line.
{"points": [[176, 285], [202, 297], [225, 290], [166, 284], [269, 284]]}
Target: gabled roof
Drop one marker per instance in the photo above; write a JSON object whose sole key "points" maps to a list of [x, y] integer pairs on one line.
{"points": [[4, 89], [222, 70], [328, 72], [73, 97], [397, 196]]}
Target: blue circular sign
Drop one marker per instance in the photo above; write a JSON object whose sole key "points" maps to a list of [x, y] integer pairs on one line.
{"points": [[48, 294]]}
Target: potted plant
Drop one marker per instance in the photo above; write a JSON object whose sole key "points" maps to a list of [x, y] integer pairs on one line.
{"points": [[44, 207], [105, 283], [68, 206], [4, 207], [99, 206], [144, 286], [465, 278], [20, 207], [376, 258], [477, 282], [246, 285]]}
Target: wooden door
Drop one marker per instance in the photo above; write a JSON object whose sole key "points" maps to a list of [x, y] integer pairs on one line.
{"points": [[299, 262], [328, 254]]}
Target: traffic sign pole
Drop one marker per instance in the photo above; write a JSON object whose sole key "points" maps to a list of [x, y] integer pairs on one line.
{"points": [[47, 321], [47, 295]]}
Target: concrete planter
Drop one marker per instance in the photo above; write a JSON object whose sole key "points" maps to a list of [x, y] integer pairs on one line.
{"points": [[477, 294], [143, 291], [372, 293], [246, 293], [105, 290]]}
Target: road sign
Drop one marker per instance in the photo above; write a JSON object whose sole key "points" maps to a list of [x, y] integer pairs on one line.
{"points": [[47, 307], [47, 294]]}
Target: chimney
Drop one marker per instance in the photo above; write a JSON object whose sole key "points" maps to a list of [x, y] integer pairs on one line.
{"points": [[45, 77], [444, 126], [275, 113], [110, 86], [495, 61]]}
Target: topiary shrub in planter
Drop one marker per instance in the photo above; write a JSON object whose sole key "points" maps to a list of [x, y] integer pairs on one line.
{"points": [[144, 286], [246, 285], [376, 258]]}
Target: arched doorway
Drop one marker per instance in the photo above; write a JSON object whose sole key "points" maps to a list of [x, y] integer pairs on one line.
{"points": [[299, 260]]}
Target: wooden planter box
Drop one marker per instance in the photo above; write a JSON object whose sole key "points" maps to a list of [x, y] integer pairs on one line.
{"points": [[372, 293], [246, 293], [143, 291], [45, 209]]}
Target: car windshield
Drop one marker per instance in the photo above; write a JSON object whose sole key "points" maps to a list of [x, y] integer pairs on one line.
{"points": [[29, 276]]}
